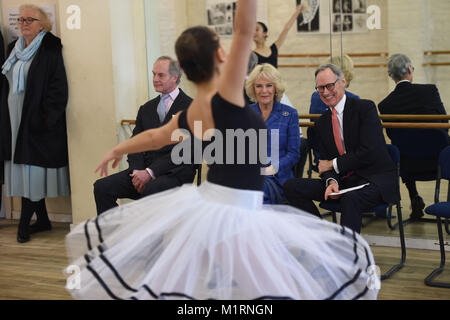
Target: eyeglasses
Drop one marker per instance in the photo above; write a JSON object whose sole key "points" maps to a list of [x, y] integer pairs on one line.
{"points": [[329, 86], [28, 20]]}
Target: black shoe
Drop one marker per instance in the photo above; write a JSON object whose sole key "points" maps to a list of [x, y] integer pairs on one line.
{"points": [[36, 227], [22, 239], [417, 206]]}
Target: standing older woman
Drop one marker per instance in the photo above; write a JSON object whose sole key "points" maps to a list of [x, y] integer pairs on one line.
{"points": [[33, 122], [265, 86]]}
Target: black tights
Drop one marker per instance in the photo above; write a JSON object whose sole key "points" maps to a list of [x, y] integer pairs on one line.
{"points": [[28, 208]]}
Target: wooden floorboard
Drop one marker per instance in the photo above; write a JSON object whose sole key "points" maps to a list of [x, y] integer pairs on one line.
{"points": [[34, 271]]}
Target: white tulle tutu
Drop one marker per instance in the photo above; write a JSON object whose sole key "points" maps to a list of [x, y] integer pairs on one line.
{"points": [[214, 242]]}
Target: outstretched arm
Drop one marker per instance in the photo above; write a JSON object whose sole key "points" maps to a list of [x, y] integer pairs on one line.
{"points": [[288, 26], [231, 83], [153, 139]]}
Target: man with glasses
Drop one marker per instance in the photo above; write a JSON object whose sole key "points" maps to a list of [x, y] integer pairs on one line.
{"points": [[411, 98], [353, 153]]}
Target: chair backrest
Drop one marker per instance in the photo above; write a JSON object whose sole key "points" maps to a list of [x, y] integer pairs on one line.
{"points": [[419, 143], [394, 152], [312, 141], [198, 168], [444, 163]]}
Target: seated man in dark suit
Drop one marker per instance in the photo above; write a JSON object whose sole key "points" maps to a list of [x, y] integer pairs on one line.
{"points": [[409, 98], [353, 152], [150, 172], [1, 189]]}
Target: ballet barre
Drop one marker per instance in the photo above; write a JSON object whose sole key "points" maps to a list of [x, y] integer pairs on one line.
{"points": [[409, 125], [435, 53], [326, 55], [411, 117], [406, 125]]}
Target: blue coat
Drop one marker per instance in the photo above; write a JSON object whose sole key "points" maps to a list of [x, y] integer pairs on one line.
{"points": [[285, 119]]}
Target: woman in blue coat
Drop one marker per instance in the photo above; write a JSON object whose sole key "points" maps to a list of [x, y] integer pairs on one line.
{"points": [[265, 86]]}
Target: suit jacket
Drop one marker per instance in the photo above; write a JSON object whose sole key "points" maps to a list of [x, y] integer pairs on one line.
{"points": [[410, 98], [160, 160], [284, 119], [367, 155]]}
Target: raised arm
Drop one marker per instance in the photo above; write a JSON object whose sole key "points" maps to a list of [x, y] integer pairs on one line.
{"points": [[231, 82], [282, 37], [153, 139]]}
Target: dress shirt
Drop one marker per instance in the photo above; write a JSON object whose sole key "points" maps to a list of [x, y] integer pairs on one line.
{"points": [[340, 115], [169, 102], [172, 96]]}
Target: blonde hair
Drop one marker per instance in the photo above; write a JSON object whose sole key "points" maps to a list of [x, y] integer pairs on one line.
{"points": [[269, 73], [346, 66], [44, 19]]}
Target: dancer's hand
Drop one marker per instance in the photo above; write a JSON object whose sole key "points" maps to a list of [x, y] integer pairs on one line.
{"points": [[110, 156]]}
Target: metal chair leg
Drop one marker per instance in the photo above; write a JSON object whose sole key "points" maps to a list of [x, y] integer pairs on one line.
{"points": [[402, 245], [446, 226], [389, 219], [310, 164], [429, 280]]}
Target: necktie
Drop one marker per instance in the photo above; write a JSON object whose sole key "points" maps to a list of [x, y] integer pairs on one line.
{"points": [[337, 137], [337, 132], [162, 108]]}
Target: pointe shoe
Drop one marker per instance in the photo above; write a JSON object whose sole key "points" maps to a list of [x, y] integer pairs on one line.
{"points": [[35, 228]]}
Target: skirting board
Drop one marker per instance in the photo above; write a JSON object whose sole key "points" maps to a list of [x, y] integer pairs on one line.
{"points": [[411, 243], [54, 217]]}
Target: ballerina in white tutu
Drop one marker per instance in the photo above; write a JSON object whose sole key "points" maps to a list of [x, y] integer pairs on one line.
{"points": [[216, 241]]}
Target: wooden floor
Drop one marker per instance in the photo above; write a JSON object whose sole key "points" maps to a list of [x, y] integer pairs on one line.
{"points": [[35, 270]]}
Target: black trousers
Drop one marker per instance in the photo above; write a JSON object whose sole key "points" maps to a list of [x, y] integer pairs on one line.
{"points": [[301, 192], [304, 147], [120, 186], [1, 180]]}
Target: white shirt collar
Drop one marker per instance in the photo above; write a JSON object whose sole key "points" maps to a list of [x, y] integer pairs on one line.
{"points": [[402, 81], [340, 106], [174, 94]]}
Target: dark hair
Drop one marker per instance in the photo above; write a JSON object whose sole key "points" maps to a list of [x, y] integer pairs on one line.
{"points": [[263, 25], [195, 49]]}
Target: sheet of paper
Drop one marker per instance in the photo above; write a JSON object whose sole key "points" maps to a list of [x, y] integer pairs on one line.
{"points": [[348, 190]]}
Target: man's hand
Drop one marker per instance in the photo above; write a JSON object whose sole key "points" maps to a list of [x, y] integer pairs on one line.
{"points": [[332, 187], [325, 165], [269, 171], [140, 179]]}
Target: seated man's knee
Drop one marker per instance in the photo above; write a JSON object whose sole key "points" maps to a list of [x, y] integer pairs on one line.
{"points": [[289, 186], [100, 186], [349, 198]]}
